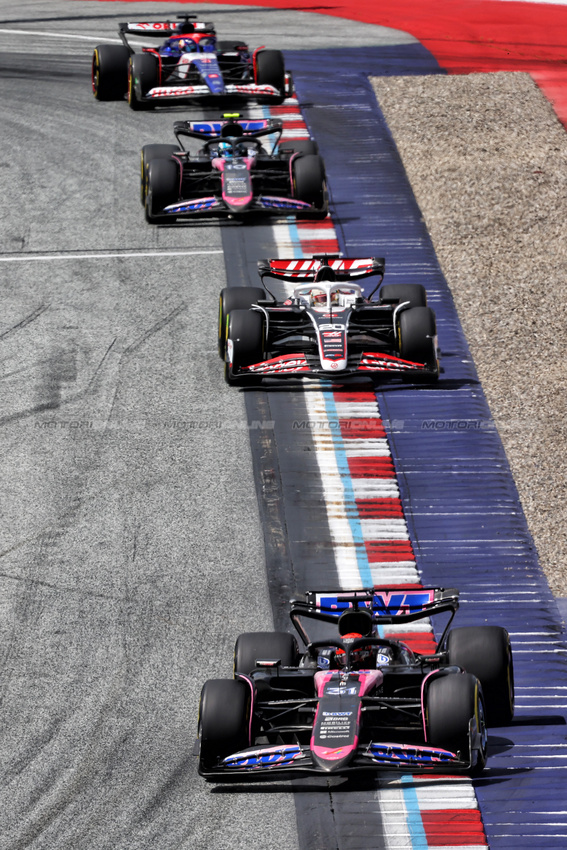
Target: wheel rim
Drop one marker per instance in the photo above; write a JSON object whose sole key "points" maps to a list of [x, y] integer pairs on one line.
{"points": [[95, 73]]}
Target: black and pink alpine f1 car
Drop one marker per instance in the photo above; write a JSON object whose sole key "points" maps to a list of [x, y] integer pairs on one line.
{"points": [[241, 168], [358, 700], [326, 327], [191, 64]]}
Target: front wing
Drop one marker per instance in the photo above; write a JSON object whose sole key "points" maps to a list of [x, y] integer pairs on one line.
{"points": [[269, 204], [367, 362], [185, 92], [288, 760]]}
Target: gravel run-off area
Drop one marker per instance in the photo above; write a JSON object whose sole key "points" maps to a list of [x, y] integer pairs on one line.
{"points": [[487, 160]]}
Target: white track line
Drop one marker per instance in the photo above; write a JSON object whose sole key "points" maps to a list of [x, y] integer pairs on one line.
{"points": [[31, 258]]}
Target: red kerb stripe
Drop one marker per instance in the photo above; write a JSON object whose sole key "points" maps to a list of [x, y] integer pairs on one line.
{"points": [[453, 827], [371, 467], [358, 428], [379, 508], [389, 550]]}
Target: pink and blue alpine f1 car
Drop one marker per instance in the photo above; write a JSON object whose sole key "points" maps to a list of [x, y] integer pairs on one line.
{"points": [[241, 167], [357, 700]]}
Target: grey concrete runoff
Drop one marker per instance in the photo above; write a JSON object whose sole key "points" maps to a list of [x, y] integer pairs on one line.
{"points": [[487, 159]]}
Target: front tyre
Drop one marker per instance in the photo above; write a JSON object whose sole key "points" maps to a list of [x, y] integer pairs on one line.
{"points": [[109, 75], [162, 189], [224, 713], [143, 75], [417, 333], [148, 154], [451, 702], [235, 298], [244, 345]]}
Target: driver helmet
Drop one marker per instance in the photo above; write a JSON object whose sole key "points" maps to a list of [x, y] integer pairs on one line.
{"points": [[186, 45], [360, 658], [316, 296], [225, 150], [384, 656], [176, 45]]}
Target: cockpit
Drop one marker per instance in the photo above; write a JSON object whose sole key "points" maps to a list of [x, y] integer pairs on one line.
{"points": [[323, 295]]}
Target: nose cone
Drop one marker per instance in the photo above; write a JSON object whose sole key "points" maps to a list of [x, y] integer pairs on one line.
{"points": [[335, 732]]}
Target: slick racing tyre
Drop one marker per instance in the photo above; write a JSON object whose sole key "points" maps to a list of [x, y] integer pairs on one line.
{"points": [[269, 70], [245, 337], [309, 180], [224, 713], [264, 645], [235, 298], [149, 153], [228, 46], [162, 189], [110, 71], [485, 652], [417, 331], [143, 75], [302, 146], [451, 702], [398, 293]]}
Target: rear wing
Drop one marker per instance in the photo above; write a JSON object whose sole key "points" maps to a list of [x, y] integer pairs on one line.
{"points": [[306, 270], [163, 29], [221, 129], [386, 604]]}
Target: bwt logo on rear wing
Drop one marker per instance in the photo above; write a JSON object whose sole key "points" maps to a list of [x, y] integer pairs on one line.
{"points": [[385, 602]]}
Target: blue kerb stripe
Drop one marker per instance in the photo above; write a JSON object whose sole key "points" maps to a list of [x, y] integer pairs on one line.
{"points": [[414, 821], [295, 240], [353, 519]]}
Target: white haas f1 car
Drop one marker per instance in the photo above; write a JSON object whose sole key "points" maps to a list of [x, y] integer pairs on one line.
{"points": [[327, 327], [242, 168], [190, 65], [356, 701]]}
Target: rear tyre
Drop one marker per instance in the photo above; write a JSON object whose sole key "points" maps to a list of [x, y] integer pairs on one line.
{"points": [[485, 652], [143, 75], [417, 332], [236, 298], [109, 75], [224, 713], [303, 146], [226, 46], [269, 70], [309, 180], [263, 645], [451, 702], [162, 189], [149, 153], [397, 293]]}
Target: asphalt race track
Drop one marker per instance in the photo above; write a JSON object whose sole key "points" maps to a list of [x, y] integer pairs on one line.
{"points": [[132, 552]]}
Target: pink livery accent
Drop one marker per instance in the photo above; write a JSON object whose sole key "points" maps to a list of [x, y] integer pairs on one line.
{"points": [[366, 680]]}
